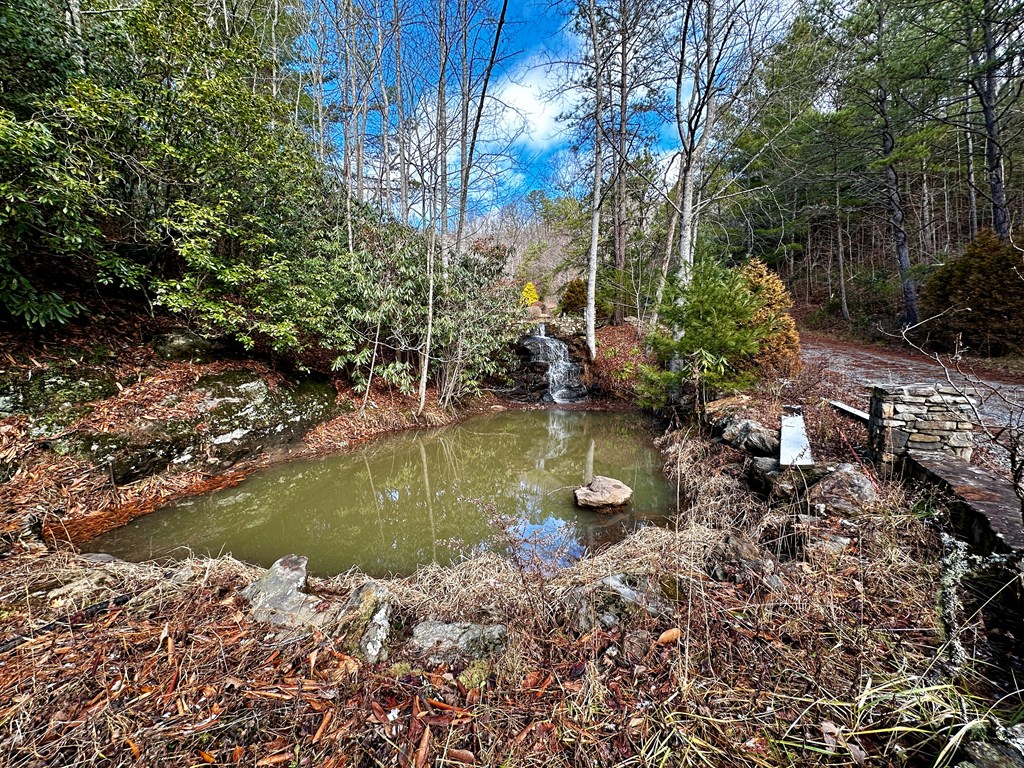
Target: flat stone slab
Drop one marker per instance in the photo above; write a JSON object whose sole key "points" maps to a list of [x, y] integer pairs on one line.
{"points": [[849, 411], [794, 447], [989, 509]]}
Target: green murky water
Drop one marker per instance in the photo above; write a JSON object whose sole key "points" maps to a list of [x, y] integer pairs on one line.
{"points": [[501, 482]]}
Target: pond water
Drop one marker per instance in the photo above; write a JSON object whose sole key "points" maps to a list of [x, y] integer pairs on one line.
{"points": [[500, 482]]}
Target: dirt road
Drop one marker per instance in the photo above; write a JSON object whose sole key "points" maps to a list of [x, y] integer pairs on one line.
{"points": [[1002, 393]]}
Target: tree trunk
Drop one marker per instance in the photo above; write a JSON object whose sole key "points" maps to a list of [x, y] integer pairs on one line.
{"points": [[844, 309], [987, 86], [666, 261], [621, 165], [595, 205], [403, 150], [899, 235], [892, 188], [686, 229], [438, 202], [972, 189], [468, 167]]}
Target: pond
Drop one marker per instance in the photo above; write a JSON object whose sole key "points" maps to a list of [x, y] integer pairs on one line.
{"points": [[500, 482]]}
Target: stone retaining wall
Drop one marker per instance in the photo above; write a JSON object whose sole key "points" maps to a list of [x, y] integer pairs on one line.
{"points": [[930, 418]]}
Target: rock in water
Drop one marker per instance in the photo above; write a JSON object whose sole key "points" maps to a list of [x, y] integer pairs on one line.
{"points": [[603, 492]]}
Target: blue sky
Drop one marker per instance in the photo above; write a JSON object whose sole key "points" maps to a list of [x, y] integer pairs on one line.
{"points": [[535, 36]]}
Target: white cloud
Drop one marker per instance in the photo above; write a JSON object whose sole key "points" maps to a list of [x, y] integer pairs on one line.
{"points": [[532, 101]]}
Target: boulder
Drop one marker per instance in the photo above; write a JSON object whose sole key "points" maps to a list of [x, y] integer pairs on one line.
{"points": [[750, 436], [763, 474], [602, 492], [246, 414], [807, 537], [1006, 751], [721, 409], [846, 491], [183, 344], [738, 558], [822, 543], [142, 453], [367, 614], [278, 597], [55, 398], [783, 484], [606, 602], [441, 643]]}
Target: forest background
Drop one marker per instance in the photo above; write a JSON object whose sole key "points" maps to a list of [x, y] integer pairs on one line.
{"points": [[346, 183]]}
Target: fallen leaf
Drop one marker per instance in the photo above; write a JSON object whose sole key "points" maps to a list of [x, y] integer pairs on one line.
{"points": [[423, 750], [277, 759], [324, 722], [859, 755], [669, 636], [830, 733]]}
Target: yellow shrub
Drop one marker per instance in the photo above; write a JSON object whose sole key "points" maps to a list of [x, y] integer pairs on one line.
{"points": [[529, 295], [780, 350]]}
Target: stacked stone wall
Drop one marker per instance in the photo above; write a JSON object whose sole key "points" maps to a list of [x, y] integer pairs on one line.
{"points": [[930, 418]]}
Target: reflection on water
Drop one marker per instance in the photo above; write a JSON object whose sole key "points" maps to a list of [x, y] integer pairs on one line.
{"points": [[501, 482]]}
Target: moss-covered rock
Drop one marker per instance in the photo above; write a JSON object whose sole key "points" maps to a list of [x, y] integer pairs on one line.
{"points": [[183, 344], [366, 617], [53, 390], [245, 414], [53, 399], [128, 458]]}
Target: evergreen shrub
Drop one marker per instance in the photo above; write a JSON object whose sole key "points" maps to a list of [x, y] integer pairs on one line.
{"points": [[779, 350], [574, 297], [726, 328], [977, 298]]}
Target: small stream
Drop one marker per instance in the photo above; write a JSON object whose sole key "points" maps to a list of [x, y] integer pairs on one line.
{"points": [[501, 482]]}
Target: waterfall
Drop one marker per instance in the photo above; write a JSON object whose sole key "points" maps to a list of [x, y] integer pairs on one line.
{"points": [[563, 375]]}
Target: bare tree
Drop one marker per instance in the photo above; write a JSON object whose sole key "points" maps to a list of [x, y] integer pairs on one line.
{"points": [[597, 76], [718, 47]]}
